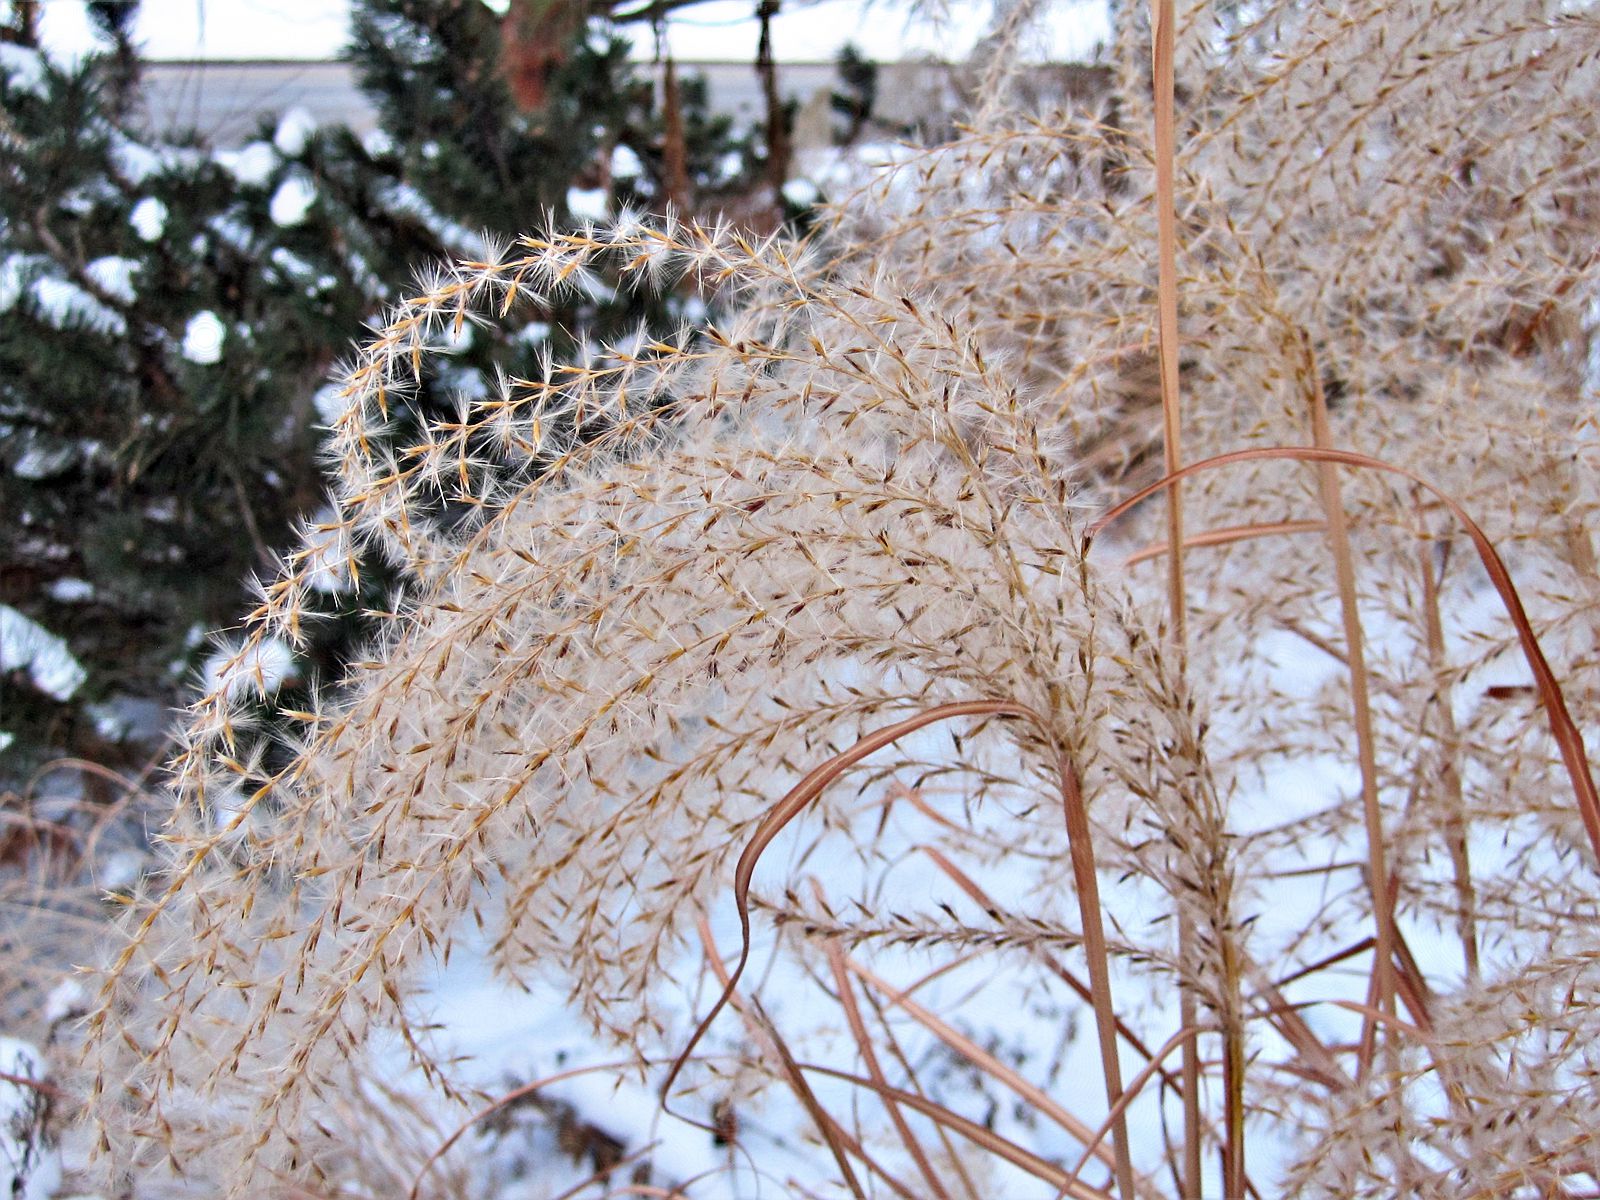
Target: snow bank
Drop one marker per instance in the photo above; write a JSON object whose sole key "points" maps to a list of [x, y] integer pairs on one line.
{"points": [[28, 646], [30, 1167]]}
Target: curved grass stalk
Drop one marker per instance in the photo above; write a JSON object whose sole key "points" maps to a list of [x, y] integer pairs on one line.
{"points": [[817, 780]]}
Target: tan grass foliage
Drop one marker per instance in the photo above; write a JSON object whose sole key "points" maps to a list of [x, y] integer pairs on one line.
{"points": [[658, 587]]}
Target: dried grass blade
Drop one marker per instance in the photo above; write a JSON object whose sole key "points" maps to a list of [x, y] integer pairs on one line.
{"points": [[895, 1049], [1360, 690], [1054, 965], [1152, 1068], [604, 1173], [1322, 1066], [1449, 777], [794, 802], [34, 1085], [1163, 19], [839, 1143], [1338, 956], [981, 1058], [1367, 1044], [1382, 1018], [1004, 1148], [1080, 850], [500, 1102], [1413, 984], [869, 1057], [1226, 536]]}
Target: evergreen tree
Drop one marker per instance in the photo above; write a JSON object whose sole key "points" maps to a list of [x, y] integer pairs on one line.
{"points": [[168, 310]]}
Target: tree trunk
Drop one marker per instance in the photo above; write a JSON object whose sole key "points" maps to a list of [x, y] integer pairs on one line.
{"points": [[24, 26], [674, 152], [536, 36], [778, 149]]}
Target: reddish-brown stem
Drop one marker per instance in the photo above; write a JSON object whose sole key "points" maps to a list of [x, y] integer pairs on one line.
{"points": [[869, 1059], [1455, 833], [1360, 688], [1226, 537], [1163, 19], [1081, 853], [793, 803]]}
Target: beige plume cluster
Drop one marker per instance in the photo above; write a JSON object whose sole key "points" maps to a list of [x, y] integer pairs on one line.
{"points": [[654, 588]]}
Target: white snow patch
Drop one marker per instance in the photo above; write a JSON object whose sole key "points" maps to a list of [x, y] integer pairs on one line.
{"points": [[251, 166], [694, 310], [119, 870], [404, 198], [149, 219], [80, 201], [68, 999], [23, 69], [464, 383], [455, 339], [377, 143], [843, 169], [330, 402], [229, 811], [625, 162], [108, 722], [231, 230], [113, 275], [534, 333], [588, 204], [70, 590], [258, 670], [801, 193], [25, 645], [328, 554], [203, 337], [592, 286], [366, 279], [30, 1167], [292, 200], [13, 272], [290, 263], [38, 463], [730, 166], [137, 162], [295, 128], [533, 1034], [62, 302]]}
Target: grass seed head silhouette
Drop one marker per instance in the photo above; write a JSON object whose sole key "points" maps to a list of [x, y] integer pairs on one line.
{"points": [[657, 585]]}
